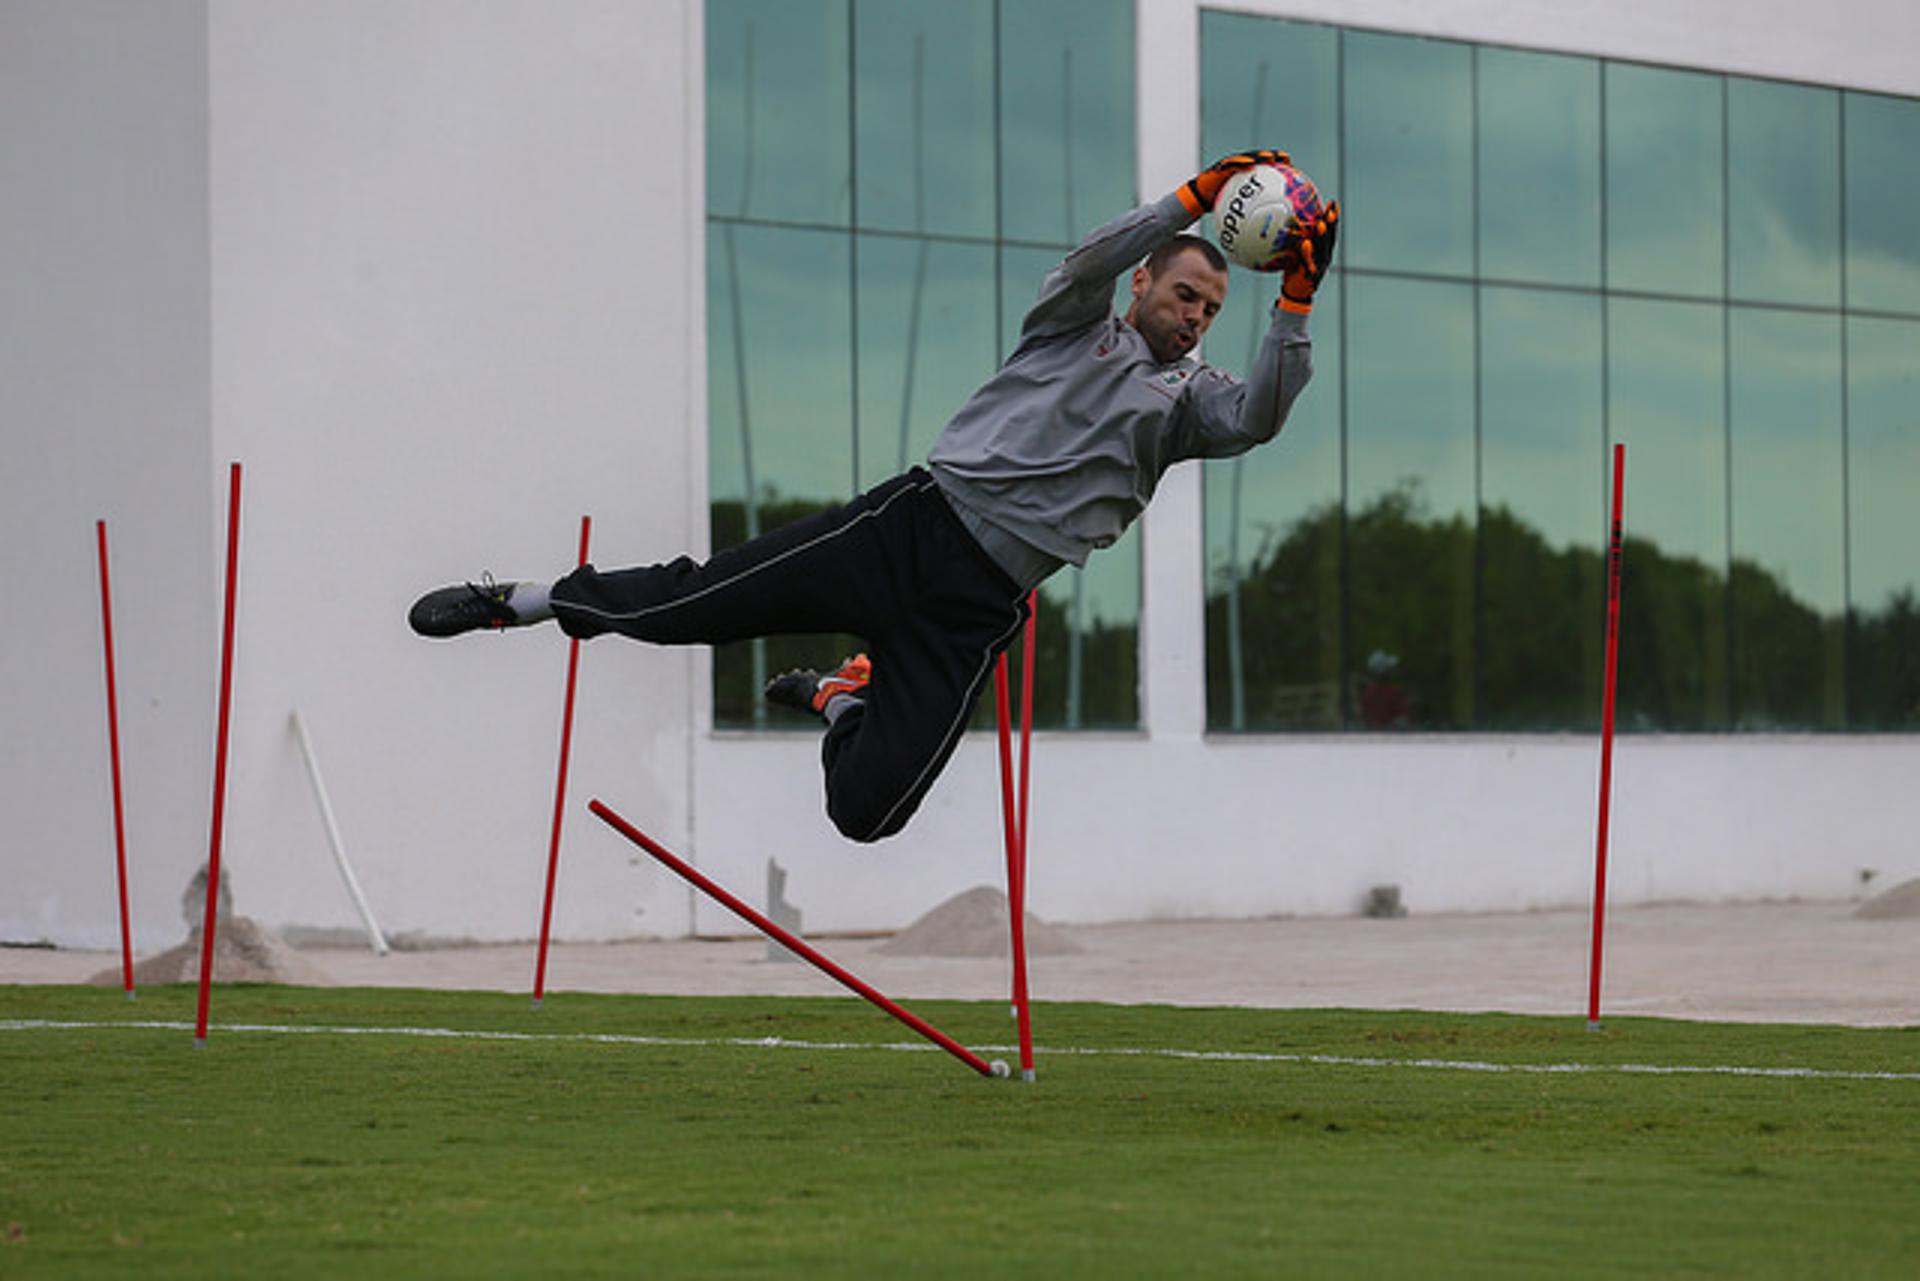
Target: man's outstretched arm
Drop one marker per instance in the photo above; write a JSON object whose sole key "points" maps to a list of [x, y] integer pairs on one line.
{"points": [[1079, 292]]}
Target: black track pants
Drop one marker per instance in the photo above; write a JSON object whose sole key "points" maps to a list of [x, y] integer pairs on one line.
{"points": [[894, 567]]}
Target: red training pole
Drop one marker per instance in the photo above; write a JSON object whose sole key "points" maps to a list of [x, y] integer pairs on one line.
{"points": [[1026, 720], [1009, 816], [792, 941], [1021, 1004], [1606, 736], [113, 751], [220, 755], [559, 793]]}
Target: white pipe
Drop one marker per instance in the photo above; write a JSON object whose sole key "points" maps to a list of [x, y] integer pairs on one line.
{"points": [[333, 836]]}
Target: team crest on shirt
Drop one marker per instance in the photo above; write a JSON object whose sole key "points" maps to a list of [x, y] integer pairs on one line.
{"points": [[1174, 377]]}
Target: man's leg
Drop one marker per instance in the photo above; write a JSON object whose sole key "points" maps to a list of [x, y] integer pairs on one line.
{"points": [[832, 571], [894, 566], [839, 570], [885, 746], [884, 751]]}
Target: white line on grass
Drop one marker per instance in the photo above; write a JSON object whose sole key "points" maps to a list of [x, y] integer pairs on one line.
{"points": [[783, 1043]]}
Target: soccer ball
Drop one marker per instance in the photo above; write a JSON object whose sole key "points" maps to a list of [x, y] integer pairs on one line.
{"points": [[1258, 216]]}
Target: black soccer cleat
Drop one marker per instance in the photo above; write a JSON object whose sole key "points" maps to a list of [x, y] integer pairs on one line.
{"points": [[794, 690], [465, 607], [805, 690]]}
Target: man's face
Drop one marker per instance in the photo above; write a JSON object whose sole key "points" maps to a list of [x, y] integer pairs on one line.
{"points": [[1172, 309]]}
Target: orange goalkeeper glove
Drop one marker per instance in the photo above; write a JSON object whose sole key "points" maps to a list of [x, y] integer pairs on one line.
{"points": [[1199, 192], [1309, 259]]}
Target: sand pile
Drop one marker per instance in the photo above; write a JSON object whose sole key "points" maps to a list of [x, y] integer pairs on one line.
{"points": [[1902, 902], [244, 951], [975, 923]]}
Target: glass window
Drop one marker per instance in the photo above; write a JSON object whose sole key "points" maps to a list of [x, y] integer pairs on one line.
{"points": [[1409, 154], [1663, 173], [779, 366], [1883, 476], [780, 403], [1883, 193], [1066, 118], [1087, 642], [1271, 84], [927, 338], [780, 394], [1273, 514], [865, 272], [1789, 560], [924, 117], [1666, 389], [1721, 272], [1411, 500], [1273, 521], [1543, 516], [1067, 148], [1539, 120], [774, 73], [1783, 193]]}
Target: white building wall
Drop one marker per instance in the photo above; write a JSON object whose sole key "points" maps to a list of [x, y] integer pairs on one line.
{"points": [[458, 301], [104, 331], [435, 272]]}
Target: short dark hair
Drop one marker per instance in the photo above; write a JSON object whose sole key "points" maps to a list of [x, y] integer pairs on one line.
{"points": [[1184, 243]]}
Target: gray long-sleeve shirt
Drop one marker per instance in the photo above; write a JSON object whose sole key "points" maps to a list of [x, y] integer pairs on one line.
{"points": [[1060, 451]]}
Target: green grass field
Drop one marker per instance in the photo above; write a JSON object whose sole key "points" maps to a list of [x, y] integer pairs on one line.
{"points": [[686, 1142]]}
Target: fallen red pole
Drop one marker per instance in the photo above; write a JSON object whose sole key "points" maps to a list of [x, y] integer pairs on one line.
{"points": [[113, 751], [1606, 736], [559, 793], [791, 941], [220, 754]]}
